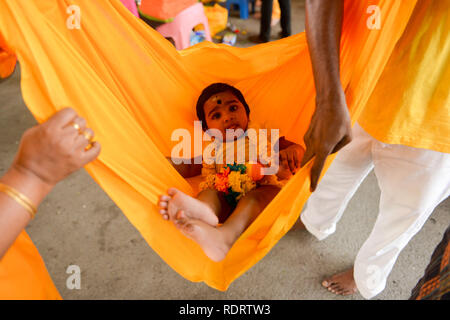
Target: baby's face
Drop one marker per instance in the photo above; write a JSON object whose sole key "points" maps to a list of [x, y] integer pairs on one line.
{"points": [[224, 111]]}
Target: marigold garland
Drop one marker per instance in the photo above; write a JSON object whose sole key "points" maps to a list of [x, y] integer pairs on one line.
{"points": [[233, 181]]}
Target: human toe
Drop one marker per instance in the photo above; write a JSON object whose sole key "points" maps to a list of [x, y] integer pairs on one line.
{"points": [[164, 198], [172, 191], [326, 283], [163, 204], [181, 215]]}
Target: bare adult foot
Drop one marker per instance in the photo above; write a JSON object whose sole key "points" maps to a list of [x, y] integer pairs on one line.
{"points": [[341, 283], [175, 200], [210, 239]]}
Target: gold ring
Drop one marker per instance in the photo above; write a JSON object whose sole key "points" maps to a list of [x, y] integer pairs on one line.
{"points": [[87, 135], [76, 126]]}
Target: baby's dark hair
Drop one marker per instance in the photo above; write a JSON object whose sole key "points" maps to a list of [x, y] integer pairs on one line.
{"points": [[213, 89]]}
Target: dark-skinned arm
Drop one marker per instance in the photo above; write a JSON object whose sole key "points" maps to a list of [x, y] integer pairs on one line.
{"points": [[188, 170], [330, 127]]}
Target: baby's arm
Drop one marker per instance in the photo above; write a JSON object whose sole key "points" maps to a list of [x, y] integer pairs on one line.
{"points": [[188, 170]]}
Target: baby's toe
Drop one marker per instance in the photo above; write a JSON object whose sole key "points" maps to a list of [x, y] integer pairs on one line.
{"points": [[172, 191], [165, 198], [179, 223], [181, 215], [163, 204]]}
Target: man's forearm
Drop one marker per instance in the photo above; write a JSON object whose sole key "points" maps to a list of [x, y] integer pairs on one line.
{"points": [[323, 33], [330, 128]]}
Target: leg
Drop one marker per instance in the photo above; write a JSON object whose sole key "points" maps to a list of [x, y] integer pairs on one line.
{"points": [[206, 208], [253, 4], [285, 7], [412, 182], [247, 210], [327, 204], [216, 200], [432, 286], [266, 17], [216, 242]]}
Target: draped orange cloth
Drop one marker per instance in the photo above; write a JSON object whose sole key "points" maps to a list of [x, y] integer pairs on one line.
{"points": [[411, 103], [23, 275], [135, 89], [7, 60]]}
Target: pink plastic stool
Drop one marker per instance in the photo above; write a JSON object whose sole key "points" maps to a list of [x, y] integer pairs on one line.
{"points": [[180, 28], [131, 5]]}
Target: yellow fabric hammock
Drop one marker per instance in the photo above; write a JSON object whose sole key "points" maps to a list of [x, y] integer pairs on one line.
{"points": [[134, 89]]}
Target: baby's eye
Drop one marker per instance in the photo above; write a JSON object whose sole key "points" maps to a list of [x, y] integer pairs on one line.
{"points": [[215, 116], [233, 108]]}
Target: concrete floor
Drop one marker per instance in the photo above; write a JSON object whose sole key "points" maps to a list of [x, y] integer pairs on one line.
{"points": [[78, 224], [251, 26]]}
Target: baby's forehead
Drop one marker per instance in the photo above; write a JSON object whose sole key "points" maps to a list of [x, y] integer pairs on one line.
{"points": [[220, 99]]}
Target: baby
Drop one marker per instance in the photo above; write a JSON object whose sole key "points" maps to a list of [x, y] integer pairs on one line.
{"points": [[231, 194]]}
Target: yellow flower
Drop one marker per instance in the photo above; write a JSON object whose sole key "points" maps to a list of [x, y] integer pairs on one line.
{"points": [[248, 184], [234, 180], [209, 182], [241, 183]]}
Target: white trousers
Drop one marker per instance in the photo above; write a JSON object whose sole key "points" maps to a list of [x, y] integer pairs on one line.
{"points": [[412, 181]]}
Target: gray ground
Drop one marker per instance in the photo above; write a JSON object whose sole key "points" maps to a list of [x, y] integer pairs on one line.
{"points": [[78, 224]]}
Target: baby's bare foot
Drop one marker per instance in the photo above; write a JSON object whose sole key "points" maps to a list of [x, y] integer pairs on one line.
{"points": [[341, 283], [193, 208], [208, 237]]}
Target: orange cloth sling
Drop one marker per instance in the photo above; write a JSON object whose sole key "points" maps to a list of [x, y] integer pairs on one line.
{"points": [[134, 89]]}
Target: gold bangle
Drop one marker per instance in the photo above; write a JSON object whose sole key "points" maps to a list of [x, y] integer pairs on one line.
{"points": [[19, 198]]}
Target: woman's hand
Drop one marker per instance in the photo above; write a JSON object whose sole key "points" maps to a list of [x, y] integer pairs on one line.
{"points": [[56, 148], [47, 154]]}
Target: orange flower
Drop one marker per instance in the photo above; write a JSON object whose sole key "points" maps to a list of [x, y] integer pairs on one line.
{"points": [[254, 171], [226, 172], [221, 183]]}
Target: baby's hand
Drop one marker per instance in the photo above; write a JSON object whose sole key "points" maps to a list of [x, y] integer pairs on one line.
{"points": [[284, 173], [291, 158]]}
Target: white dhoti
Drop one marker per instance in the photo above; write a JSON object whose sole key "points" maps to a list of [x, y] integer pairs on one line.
{"points": [[412, 181]]}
